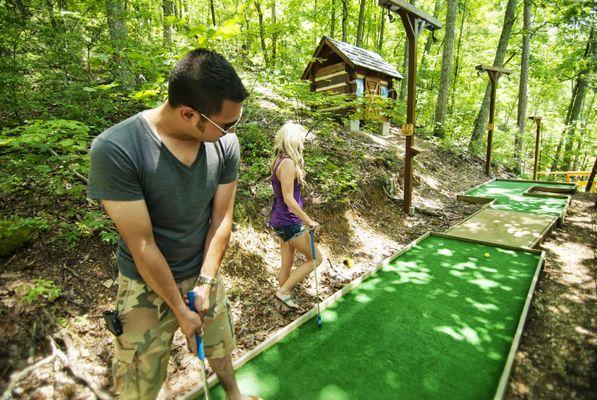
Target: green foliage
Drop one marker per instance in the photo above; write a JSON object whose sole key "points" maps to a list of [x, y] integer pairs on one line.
{"points": [[42, 288], [90, 223], [46, 155], [61, 69], [14, 232], [256, 156], [334, 177]]}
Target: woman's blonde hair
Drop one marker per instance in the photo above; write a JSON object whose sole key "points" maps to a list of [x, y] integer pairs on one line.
{"points": [[289, 142]]}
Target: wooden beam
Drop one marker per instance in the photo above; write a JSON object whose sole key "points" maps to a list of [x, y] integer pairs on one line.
{"points": [[334, 86], [330, 69], [482, 67], [332, 81], [398, 6], [503, 383], [332, 75]]}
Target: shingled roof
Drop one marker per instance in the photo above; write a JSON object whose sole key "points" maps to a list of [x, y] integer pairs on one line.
{"points": [[355, 56]]}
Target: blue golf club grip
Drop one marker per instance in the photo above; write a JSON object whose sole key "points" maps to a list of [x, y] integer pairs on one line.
{"points": [[198, 339]]}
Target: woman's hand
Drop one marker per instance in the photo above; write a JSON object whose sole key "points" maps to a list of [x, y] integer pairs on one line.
{"points": [[314, 226]]}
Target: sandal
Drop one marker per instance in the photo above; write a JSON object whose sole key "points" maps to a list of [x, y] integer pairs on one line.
{"points": [[287, 300]]}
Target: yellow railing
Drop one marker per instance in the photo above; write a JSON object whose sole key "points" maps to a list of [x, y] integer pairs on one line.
{"points": [[576, 176]]}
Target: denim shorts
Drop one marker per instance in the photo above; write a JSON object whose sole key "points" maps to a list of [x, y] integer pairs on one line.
{"points": [[289, 232]]}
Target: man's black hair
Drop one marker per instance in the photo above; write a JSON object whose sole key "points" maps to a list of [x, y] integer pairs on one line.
{"points": [[202, 79]]}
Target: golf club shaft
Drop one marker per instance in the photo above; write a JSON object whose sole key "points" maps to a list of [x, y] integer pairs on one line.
{"points": [[200, 350], [314, 256]]}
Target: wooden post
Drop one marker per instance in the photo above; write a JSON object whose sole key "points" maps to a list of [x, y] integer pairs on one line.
{"points": [[414, 21], [537, 141], [494, 75], [592, 178], [493, 78], [410, 23]]}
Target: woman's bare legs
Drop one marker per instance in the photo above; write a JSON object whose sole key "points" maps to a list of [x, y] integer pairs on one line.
{"points": [[287, 254], [303, 244]]}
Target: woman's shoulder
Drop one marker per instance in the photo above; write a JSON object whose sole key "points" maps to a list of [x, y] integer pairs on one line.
{"points": [[285, 162], [285, 168]]}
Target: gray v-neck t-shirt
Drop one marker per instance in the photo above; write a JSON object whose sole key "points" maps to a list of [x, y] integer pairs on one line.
{"points": [[130, 162]]}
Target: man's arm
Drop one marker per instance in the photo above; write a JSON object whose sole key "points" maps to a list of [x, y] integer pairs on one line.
{"points": [[134, 225], [218, 236]]}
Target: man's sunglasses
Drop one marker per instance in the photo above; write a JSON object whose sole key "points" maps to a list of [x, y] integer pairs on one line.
{"points": [[228, 128]]}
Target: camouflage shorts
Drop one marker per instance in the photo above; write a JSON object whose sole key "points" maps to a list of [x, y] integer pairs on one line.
{"points": [[143, 350]]}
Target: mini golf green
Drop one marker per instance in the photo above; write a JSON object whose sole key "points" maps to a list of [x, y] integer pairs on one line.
{"points": [[436, 322], [509, 195], [512, 228]]}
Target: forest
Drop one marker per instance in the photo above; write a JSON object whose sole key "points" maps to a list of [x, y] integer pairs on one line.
{"points": [[70, 69]]}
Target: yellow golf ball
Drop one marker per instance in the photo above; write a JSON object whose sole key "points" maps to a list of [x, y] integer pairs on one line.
{"points": [[487, 255]]}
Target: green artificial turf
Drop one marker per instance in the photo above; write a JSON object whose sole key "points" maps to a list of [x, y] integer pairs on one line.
{"points": [[509, 196], [436, 323]]}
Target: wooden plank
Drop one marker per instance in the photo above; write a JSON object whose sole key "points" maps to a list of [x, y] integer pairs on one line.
{"points": [[402, 6], [530, 181], [579, 173], [557, 191], [320, 78], [474, 199], [503, 383], [332, 81], [283, 332], [330, 69], [482, 67], [340, 90], [483, 242], [546, 232], [416, 150], [336, 88]]}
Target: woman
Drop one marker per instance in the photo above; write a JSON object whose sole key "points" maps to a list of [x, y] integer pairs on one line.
{"points": [[287, 216]]}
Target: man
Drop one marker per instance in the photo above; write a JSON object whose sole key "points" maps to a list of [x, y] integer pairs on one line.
{"points": [[167, 179]]}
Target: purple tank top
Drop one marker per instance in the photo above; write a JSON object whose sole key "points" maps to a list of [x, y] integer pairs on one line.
{"points": [[280, 215]]}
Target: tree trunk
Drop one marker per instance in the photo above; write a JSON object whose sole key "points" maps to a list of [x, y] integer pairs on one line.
{"points": [[429, 41], [361, 24], [568, 137], [274, 33], [168, 9], [586, 119], [382, 23], [333, 20], [498, 61], [115, 13], [213, 12], [344, 19], [556, 158], [523, 86], [261, 31], [444, 83], [457, 61], [365, 41]]}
